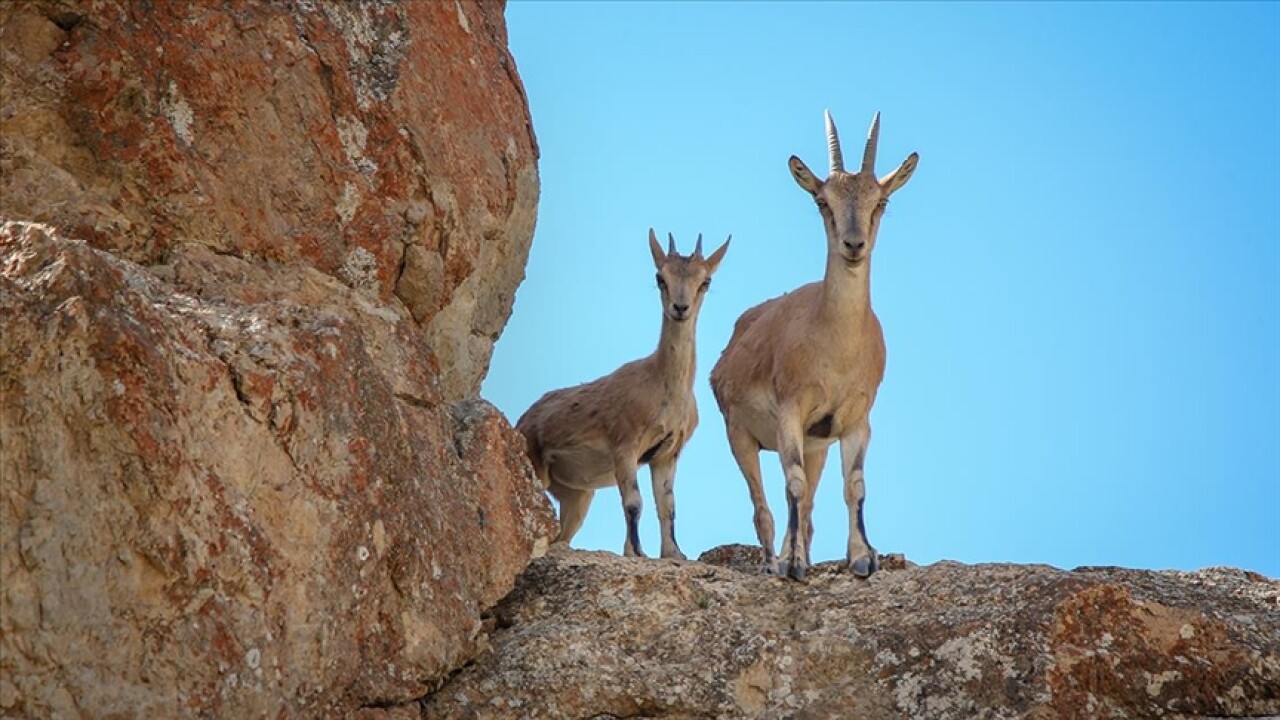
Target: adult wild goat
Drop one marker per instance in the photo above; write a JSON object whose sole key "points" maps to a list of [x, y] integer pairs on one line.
{"points": [[802, 370]]}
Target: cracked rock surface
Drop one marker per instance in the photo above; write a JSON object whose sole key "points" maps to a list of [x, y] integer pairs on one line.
{"points": [[236, 508], [387, 145], [589, 634], [253, 258]]}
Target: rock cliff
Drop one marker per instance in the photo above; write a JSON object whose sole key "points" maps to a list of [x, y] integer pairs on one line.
{"points": [[386, 144], [593, 635], [253, 258], [253, 261]]}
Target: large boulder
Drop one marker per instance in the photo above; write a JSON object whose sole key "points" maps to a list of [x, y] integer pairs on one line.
{"points": [[595, 635], [254, 260]]}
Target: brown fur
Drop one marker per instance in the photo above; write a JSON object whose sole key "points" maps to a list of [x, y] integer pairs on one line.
{"points": [[802, 370], [597, 434], [787, 347]]}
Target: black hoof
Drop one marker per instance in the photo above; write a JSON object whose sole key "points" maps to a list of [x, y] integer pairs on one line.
{"points": [[795, 571], [864, 566]]}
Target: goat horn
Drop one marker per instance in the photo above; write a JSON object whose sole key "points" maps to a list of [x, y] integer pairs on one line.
{"points": [[833, 145], [873, 139], [697, 251], [671, 244]]}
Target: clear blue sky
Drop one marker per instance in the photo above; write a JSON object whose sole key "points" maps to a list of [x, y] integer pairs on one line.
{"points": [[1080, 287]]}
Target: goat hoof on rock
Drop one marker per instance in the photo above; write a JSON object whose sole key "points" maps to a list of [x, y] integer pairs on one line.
{"points": [[864, 565], [793, 570]]}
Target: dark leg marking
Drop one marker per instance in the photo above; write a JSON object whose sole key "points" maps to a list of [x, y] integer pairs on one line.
{"points": [[648, 454], [793, 515], [795, 569], [793, 523], [864, 567], [633, 528], [794, 460], [822, 428]]}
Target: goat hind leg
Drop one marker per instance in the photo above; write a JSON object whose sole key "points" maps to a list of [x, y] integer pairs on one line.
{"points": [[573, 509], [746, 451], [813, 463]]}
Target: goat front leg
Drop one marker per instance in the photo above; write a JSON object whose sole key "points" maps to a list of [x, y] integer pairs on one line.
{"points": [[860, 556], [747, 452], [791, 451], [813, 464], [624, 470], [663, 473]]}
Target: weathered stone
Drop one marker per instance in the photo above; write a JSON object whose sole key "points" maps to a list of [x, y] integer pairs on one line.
{"points": [[231, 506], [421, 285], [591, 634], [334, 134], [244, 470], [750, 558]]}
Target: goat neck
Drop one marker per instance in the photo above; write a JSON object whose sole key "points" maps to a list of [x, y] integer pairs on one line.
{"points": [[846, 291], [676, 356]]}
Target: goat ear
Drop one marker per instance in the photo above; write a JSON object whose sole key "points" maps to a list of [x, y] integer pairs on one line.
{"points": [[655, 249], [896, 179], [804, 177], [713, 262]]}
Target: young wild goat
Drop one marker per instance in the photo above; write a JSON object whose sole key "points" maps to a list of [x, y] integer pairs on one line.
{"points": [[802, 370], [597, 434]]}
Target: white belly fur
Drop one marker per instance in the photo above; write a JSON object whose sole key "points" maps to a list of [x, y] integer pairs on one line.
{"points": [[761, 420], [584, 467]]}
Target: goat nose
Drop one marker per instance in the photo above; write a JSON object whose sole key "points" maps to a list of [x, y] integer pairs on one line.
{"points": [[680, 309]]}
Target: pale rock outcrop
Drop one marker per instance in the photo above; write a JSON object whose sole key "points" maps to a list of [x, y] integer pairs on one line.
{"points": [[594, 635]]}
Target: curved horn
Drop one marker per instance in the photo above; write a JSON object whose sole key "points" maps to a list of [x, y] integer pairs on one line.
{"points": [[697, 251], [671, 244], [873, 139], [833, 145]]}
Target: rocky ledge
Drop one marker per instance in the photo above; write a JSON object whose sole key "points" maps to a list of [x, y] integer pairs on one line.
{"points": [[588, 634]]}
